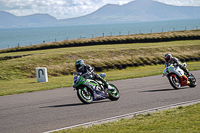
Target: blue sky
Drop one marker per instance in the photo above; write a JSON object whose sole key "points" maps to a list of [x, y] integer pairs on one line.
{"points": [[62, 9]]}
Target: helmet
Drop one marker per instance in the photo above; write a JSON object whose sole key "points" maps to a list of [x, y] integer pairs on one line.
{"points": [[168, 57], [79, 64]]}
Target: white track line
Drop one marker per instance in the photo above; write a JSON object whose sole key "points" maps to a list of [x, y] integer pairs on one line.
{"points": [[129, 115]]}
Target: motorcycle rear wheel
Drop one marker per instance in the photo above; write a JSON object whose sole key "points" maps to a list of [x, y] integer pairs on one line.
{"points": [[113, 94], [85, 95], [193, 82], [175, 83]]}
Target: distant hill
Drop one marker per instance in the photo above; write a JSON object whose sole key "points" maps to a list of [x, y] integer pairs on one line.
{"points": [[8, 20], [138, 10]]}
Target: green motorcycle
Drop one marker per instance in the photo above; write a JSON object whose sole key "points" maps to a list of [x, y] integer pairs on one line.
{"points": [[89, 90]]}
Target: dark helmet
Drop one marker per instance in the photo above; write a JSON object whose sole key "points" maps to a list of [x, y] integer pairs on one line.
{"points": [[168, 57], [79, 64]]}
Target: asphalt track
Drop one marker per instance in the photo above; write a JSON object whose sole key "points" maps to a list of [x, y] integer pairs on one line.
{"points": [[53, 109]]}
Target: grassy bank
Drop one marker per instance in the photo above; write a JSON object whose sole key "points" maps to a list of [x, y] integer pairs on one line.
{"points": [[179, 120], [60, 62], [16, 86]]}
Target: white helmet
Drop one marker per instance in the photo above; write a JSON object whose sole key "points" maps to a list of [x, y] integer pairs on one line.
{"points": [[79, 64], [168, 57]]}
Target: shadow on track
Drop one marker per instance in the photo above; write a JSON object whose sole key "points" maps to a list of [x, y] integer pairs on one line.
{"points": [[75, 104], [159, 90]]}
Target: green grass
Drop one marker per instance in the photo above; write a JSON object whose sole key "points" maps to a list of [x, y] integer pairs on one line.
{"points": [[188, 43], [179, 120], [60, 61], [16, 86]]}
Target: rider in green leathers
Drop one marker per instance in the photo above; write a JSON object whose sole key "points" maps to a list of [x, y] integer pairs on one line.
{"points": [[86, 72]]}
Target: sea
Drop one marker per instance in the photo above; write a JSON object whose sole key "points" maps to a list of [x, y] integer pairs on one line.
{"points": [[17, 37]]}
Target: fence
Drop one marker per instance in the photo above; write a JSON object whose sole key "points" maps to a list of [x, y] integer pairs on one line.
{"points": [[104, 34]]}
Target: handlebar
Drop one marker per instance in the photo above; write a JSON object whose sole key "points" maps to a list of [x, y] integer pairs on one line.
{"points": [[88, 73], [85, 74], [175, 64]]}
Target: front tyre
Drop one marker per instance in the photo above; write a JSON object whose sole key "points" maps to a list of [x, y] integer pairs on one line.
{"points": [[85, 94], [174, 81], [113, 94]]}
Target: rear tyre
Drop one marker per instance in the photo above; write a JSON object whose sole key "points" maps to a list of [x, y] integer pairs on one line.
{"points": [[85, 94], [113, 94], [175, 82], [192, 80]]}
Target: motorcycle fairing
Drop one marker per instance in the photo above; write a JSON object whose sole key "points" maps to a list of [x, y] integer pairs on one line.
{"points": [[184, 80]]}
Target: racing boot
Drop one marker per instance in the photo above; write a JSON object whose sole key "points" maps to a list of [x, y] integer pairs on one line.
{"points": [[187, 72], [188, 75]]}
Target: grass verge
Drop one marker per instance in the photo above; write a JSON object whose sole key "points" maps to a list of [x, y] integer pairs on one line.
{"points": [[179, 120], [16, 86], [61, 61]]}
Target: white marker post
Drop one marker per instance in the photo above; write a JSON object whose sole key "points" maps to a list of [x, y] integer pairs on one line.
{"points": [[41, 73]]}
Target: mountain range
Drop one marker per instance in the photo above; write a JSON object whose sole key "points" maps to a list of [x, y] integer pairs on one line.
{"points": [[135, 11]]}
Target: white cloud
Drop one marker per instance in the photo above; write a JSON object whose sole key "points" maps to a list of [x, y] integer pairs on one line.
{"points": [[181, 2], [58, 8], [62, 9]]}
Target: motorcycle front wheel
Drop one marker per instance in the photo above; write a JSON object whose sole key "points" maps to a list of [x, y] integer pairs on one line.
{"points": [[175, 82], [85, 95], [113, 94]]}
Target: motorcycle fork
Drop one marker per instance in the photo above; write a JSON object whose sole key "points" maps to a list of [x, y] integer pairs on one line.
{"points": [[174, 76], [85, 90]]}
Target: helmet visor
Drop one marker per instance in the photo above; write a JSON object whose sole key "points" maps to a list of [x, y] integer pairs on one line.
{"points": [[167, 58], [77, 67]]}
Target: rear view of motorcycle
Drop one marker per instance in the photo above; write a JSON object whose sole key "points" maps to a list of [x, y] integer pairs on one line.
{"points": [[178, 78], [89, 90]]}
